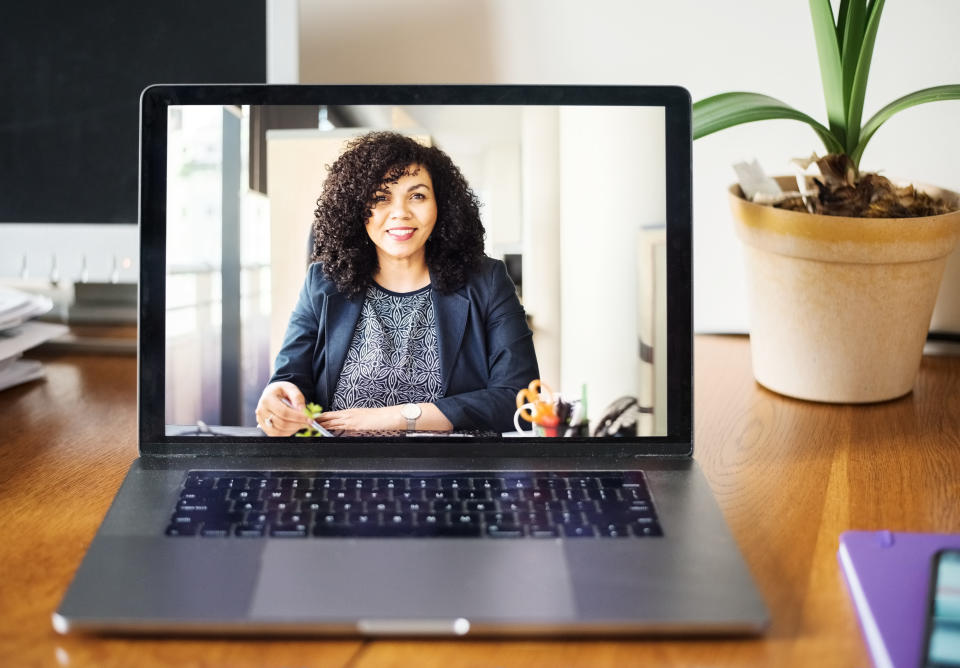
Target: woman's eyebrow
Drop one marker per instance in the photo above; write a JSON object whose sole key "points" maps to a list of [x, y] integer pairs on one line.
{"points": [[418, 185]]}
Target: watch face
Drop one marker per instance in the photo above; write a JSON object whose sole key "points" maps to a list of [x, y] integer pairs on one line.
{"points": [[410, 411]]}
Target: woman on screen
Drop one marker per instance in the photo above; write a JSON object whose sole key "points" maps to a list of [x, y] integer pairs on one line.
{"points": [[402, 322]]}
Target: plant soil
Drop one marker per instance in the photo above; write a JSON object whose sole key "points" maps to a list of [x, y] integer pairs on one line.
{"points": [[842, 191]]}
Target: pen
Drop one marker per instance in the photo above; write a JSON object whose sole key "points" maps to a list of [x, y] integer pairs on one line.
{"points": [[313, 423]]}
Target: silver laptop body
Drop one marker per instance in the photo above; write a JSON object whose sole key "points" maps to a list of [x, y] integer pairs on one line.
{"points": [[135, 578]]}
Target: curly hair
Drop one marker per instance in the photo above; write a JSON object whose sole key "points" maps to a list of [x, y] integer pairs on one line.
{"points": [[341, 243]]}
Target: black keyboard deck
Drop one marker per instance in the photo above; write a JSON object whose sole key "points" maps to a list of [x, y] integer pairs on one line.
{"points": [[299, 504]]}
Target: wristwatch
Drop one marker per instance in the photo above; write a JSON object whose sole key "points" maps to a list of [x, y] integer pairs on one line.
{"points": [[411, 412]]}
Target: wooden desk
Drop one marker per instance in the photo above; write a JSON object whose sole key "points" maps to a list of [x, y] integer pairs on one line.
{"points": [[790, 477]]}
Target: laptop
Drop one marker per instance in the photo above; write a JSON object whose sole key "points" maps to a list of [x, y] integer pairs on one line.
{"points": [[597, 521]]}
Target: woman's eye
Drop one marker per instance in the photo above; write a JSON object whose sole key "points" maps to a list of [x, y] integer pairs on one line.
{"points": [[379, 198], [419, 196]]}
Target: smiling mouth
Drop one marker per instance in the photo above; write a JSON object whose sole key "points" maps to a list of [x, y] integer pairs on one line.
{"points": [[401, 233]]}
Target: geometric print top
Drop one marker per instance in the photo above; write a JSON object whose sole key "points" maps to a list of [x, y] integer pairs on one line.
{"points": [[393, 357]]}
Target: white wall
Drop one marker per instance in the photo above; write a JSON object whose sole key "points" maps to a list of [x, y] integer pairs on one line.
{"points": [[709, 47]]}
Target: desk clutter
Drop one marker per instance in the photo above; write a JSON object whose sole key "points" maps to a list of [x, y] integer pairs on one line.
{"points": [[552, 416], [19, 332]]}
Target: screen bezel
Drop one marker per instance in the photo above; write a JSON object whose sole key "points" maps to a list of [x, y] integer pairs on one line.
{"points": [[155, 101]]}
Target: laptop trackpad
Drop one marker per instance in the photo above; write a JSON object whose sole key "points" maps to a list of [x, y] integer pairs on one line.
{"points": [[356, 579]]}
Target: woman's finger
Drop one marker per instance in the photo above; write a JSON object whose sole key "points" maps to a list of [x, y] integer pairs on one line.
{"points": [[279, 425], [292, 394], [276, 406]]}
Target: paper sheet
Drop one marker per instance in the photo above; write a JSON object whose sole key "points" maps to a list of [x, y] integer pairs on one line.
{"points": [[28, 335]]}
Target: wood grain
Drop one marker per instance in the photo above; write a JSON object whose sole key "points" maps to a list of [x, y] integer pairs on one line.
{"points": [[790, 476]]}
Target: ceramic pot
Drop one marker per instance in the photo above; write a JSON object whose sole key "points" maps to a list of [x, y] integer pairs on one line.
{"points": [[840, 307]]}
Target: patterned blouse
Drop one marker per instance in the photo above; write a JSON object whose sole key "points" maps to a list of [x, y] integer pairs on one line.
{"points": [[393, 358]]}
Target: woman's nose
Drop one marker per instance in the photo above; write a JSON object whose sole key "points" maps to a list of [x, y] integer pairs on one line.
{"points": [[399, 209]]}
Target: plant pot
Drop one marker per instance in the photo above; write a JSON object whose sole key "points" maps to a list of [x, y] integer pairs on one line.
{"points": [[840, 307]]}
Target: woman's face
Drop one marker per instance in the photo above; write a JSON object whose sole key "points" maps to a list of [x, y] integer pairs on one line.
{"points": [[403, 215]]}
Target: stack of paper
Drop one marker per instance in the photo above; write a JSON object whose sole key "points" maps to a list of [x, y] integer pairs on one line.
{"points": [[19, 333]]}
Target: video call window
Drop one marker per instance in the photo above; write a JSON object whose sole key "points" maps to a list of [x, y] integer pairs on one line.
{"points": [[357, 271]]}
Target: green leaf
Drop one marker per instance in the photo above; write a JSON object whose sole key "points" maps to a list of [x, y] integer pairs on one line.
{"points": [[842, 21], [934, 94], [855, 25], [831, 73], [858, 90], [728, 109]]}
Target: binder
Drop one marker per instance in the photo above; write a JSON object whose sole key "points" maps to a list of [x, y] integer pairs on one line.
{"points": [[888, 577]]}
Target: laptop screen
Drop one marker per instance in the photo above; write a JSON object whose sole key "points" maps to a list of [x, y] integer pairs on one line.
{"points": [[380, 271]]}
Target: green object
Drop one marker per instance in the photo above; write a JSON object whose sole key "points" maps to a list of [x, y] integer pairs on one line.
{"points": [[312, 411], [845, 49]]}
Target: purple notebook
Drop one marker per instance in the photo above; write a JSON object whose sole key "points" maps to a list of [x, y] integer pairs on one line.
{"points": [[888, 575]]}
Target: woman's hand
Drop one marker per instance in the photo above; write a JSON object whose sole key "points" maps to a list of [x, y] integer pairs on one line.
{"points": [[356, 419], [274, 417]]}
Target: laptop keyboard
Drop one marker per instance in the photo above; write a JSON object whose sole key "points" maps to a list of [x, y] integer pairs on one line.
{"points": [[301, 504]]}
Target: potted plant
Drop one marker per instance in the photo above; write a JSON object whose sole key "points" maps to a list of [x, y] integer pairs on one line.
{"points": [[842, 280]]}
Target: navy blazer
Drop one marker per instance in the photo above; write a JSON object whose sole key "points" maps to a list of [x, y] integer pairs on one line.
{"points": [[486, 349]]}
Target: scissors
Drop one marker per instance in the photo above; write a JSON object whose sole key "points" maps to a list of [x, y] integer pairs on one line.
{"points": [[535, 402]]}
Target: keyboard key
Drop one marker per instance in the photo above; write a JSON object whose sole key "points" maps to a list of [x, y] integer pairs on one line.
{"points": [[584, 483], [551, 483], [497, 531], [579, 531], [614, 530], [464, 518], [542, 531], [288, 530], [275, 504], [479, 506], [582, 506], [507, 494], [250, 530], [566, 518], [216, 528], [197, 482], [295, 483], [363, 518], [539, 495], [409, 495], [393, 484], [308, 494], [203, 494], [242, 494], [458, 531], [328, 483], [649, 530], [183, 529], [455, 483], [444, 506], [499, 518], [425, 483], [487, 483], [277, 495]]}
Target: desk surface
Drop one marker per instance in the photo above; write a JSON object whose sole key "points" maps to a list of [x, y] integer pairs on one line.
{"points": [[790, 476]]}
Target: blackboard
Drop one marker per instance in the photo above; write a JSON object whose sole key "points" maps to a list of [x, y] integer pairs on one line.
{"points": [[70, 80]]}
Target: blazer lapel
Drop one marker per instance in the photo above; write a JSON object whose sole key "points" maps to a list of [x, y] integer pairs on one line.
{"points": [[339, 323], [451, 311]]}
